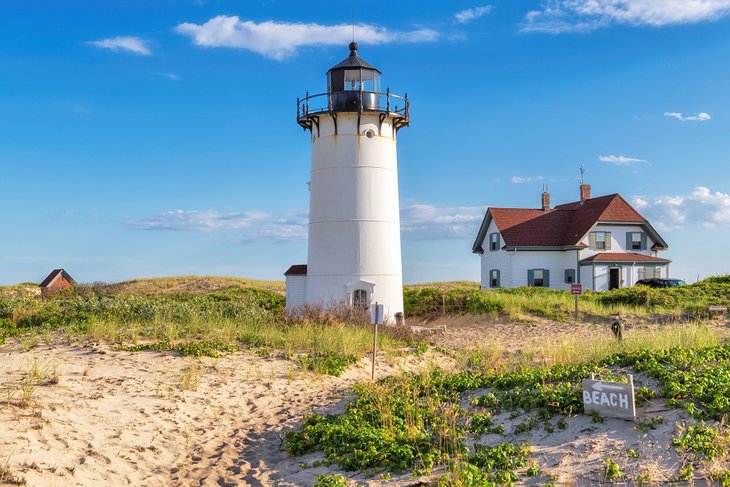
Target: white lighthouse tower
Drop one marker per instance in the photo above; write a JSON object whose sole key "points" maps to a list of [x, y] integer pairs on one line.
{"points": [[354, 253]]}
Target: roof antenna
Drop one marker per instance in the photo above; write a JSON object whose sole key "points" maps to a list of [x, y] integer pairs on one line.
{"points": [[582, 172]]}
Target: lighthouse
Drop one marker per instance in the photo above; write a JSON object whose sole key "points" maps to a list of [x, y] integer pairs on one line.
{"points": [[354, 252]]}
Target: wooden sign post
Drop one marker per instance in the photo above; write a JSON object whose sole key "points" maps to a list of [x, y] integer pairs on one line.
{"points": [[376, 318], [576, 290]]}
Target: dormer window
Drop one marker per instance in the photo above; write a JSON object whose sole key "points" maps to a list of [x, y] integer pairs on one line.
{"points": [[635, 241], [600, 240], [494, 241]]}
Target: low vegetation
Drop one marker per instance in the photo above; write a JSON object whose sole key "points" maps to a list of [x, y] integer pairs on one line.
{"points": [[420, 423], [199, 323], [459, 298]]}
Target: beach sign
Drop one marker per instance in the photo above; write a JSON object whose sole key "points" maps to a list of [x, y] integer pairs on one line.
{"points": [[609, 399]]}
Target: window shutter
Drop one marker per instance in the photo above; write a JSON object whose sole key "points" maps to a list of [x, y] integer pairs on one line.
{"points": [[592, 240], [530, 277], [643, 241], [499, 279], [642, 273], [545, 278], [499, 241], [608, 240], [629, 240]]}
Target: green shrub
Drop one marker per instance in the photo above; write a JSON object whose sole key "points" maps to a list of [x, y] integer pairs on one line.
{"points": [[330, 480], [331, 363]]}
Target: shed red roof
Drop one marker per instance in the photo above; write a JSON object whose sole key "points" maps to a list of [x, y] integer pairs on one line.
{"points": [[624, 257], [49, 279], [297, 270], [562, 226]]}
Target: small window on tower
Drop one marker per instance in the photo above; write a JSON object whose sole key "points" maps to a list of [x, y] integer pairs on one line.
{"points": [[360, 299]]}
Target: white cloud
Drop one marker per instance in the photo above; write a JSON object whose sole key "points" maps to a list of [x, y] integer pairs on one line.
{"points": [[700, 117], [528, 179], [130, 44], [428, 222], [243, 226], [620, 160], [701, 206], [469, 14], [418, 222], [557, 16], [280, 40]]}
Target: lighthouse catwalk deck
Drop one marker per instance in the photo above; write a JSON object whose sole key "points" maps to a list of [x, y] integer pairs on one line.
{"points": [[354, 252]]}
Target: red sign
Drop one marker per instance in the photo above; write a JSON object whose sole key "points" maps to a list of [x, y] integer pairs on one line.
{"points": [[576, 289]]}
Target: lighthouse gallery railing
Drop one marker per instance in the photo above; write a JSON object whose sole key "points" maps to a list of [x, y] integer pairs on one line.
{"points": [[385, 102]]}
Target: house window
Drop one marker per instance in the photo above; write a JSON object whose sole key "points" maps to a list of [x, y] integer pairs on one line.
{"points": [[494, 278], [569, 276], [600, 240], [538, 277], [360, 299], [493, 241], [636, 241]]}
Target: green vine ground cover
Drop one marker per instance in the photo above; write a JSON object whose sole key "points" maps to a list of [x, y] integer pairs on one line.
{"points": [[417, 423]]}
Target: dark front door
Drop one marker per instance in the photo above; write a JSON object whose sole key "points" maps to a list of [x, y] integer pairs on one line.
{"points": [[614, 278]]}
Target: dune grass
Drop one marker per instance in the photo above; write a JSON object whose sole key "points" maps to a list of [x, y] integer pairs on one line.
{"points": [[251, 317], [520, 303], [189, 284]]}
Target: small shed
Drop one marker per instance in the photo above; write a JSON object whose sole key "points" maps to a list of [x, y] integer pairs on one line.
{"points": [[57, 280], [296, 286]]}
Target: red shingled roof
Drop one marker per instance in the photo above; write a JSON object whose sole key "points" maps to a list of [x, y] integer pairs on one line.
{"points": [[624, 257], [297, 270], [562, 226]]}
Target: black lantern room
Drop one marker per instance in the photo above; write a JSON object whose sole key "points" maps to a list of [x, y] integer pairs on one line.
{"points": [[353, 84]]}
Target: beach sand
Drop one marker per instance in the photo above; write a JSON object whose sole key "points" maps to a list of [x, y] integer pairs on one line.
{"points": [[102, 417]]}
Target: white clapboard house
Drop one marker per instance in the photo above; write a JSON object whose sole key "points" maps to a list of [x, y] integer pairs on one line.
{"points": [[602, 243]]}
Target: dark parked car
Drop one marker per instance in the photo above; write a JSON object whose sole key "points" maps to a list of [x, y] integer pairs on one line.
{"points": [[656, 282]]}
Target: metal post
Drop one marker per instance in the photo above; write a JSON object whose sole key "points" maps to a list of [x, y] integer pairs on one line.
{"points": [[387, 97], [375, 341], [576, 309]]}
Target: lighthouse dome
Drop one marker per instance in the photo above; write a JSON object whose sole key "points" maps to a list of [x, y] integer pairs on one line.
{"points": [[354, 83]]}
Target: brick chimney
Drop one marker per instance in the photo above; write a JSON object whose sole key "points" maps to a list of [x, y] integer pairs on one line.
{"points": [[585, 192], [545, 201]]}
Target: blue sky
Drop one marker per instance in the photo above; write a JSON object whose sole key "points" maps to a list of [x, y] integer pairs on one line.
{"points": [[157, 138]]}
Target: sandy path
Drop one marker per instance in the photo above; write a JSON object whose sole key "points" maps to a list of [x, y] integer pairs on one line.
{"points": [[123, 418]]}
